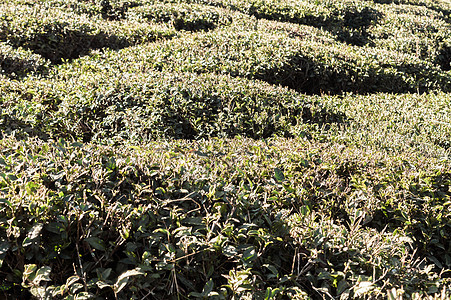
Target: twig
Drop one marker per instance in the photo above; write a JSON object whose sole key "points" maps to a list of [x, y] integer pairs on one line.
{"points": [[81, 268]]}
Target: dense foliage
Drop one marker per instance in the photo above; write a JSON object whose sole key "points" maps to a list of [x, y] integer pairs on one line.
{"points": [[225, 149]]}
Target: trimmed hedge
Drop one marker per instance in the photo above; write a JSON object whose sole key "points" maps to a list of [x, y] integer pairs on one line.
{"points": [[171, 218], [190, 17], [119, 180], [309, 63], [396, 27], [56, 34], [328, 14], [441, 6], [406, 123], [17, 62], [416, 30], [110, 105]]}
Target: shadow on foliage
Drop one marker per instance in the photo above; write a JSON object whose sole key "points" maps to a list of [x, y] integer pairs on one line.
{"points": [[445, 12], [117, 12], [355, 24], [18, 68], [182, 115], [307, 76], [59, 44], [20, 129], [444, 58], [349, 26]]}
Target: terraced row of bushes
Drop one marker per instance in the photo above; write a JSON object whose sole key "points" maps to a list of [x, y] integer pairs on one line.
{"points": [[275, 217], [307, 62], [419, 30], [58, 35], [17, 62], [88, 104], [171, 149], [190, 17], [398, 123]]}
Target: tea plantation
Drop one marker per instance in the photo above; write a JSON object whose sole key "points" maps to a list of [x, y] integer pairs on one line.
{"points": [[225, 149]]}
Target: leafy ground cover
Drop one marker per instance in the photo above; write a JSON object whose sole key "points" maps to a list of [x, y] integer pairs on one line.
{"points": [[225, 149]]}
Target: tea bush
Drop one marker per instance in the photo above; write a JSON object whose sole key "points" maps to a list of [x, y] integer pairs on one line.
{"points": [[416, 30], [171, 217], [57, 35], [182, 16], [225, 149], [87, 105], [17, 62], [402, 123], [311, 64], [440, 5], [398, 27]]}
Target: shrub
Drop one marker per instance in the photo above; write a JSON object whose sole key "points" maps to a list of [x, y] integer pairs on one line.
{"points": [[57, 35], [416, 30], [406, 123], [131, 106], [19, 62], [439, 6], [396, 27], [210, 218], [182, 16], [183, 169], [307, 63]]}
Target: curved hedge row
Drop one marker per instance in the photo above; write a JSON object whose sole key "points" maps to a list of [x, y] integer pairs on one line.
{"points": [[406, 123], [310, 63], [57, 35], [417, 27], [17, 62], [119, 180], [190, 17], [89, 105]]}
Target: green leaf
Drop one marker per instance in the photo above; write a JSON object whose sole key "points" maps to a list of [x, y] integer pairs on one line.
{"points": [[229, 251], [96, 243], [208, 287], [33, 235], [101, 284], [272, 269], [28, 271], [71, 280], [122, 280], [249, 254], [341, 287], [54, 227], [106, 273], [4, 247], [271, 293], [43, 274], [278, 174], [362, 288], [84, 296]]}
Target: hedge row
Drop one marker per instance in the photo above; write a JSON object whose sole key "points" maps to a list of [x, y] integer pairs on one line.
{"points": [[421, 30], [190, 17], [398, 28], [416, 30], [56, 34], [319, 13], [442, 6], [307, 62], [406, 123], [88, 104], [17, 62], [169, 219]]}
